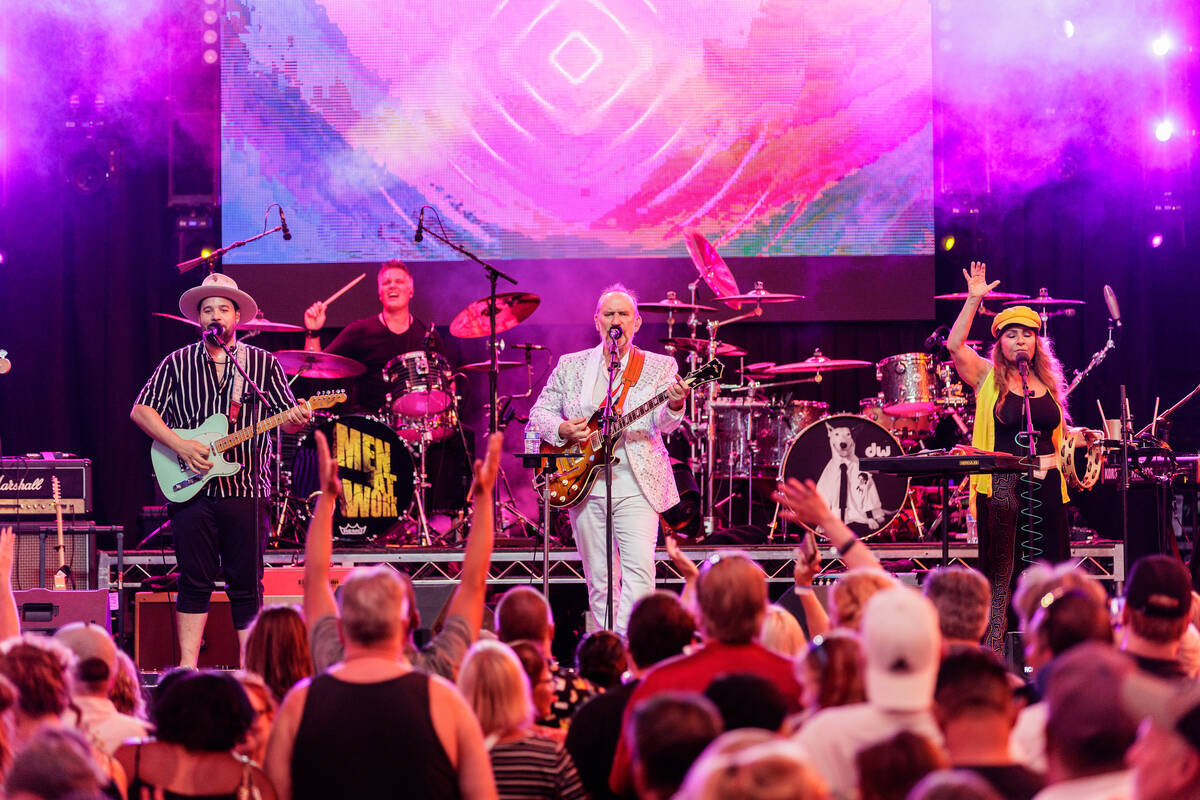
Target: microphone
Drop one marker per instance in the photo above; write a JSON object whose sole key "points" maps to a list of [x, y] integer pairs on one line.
{"points": [[528, 346], [1023, 364], [287, 234], [614, 332], [5, 364], [936, 340], [1110, 300], [214, 331], [420, 226]]}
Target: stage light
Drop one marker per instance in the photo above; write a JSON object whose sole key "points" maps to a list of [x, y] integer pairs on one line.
{"points": [[948, 242], [205, 252], [210, 56], [1164, 130], [1156, 239], [1068, 28], [1162, 45]]}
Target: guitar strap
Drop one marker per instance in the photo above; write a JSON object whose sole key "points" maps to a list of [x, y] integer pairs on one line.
{"points": [[633, 371], [239, 386]]}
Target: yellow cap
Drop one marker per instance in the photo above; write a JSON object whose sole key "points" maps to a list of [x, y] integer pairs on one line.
{"points": [[1016, 315]]}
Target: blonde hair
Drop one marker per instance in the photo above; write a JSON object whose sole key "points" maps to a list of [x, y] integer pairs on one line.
{"points": [[767, 771], [853, 590], [781, 632], [374, 605], [1042, 577], [495, 686], [1044, 365]]}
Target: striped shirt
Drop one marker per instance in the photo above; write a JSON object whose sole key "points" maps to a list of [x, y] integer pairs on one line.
{"points": [[535, 767], [185, 391]]}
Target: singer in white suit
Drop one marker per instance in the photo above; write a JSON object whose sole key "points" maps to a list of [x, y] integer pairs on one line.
{"points": [[643, 485]]}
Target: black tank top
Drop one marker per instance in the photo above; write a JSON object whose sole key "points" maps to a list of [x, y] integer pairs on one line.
{"points": [[359, 740], [1010, 420]]}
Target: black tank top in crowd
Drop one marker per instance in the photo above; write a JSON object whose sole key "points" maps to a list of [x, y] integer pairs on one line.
{"points": [[376, 740], [1010, 420]]}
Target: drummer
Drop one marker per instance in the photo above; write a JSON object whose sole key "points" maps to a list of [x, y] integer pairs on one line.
{"points": [[374, 341]]}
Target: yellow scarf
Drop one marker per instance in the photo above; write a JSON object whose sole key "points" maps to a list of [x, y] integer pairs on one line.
{"points": [[984, 435]]}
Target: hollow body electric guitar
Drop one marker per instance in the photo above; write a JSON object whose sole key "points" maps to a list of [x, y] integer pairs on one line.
{"points": [[571, 477], [179, 482]]}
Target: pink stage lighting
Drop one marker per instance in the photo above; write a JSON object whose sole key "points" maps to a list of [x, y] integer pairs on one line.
{"points": [[1164, 130], [1156, 239], [1162, 45]]}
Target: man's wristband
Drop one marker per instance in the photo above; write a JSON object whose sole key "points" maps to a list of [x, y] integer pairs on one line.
{"points": [[312, 334], [848, 546], [803, 591]]}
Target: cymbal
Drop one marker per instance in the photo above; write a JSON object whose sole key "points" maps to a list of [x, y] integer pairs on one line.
{"points": [[709, 264], [760, 295], [512, 308], [817, 362], [310, 364], [690, 345], [988, 296], [673, 303], [256, 324], [758, 366], [1043, 299], [484, 366]]}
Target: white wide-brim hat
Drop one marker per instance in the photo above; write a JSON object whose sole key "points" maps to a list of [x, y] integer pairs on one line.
{"points": [[217, 285]]}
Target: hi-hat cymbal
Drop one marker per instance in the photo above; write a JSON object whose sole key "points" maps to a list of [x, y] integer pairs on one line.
{"points": [[701, 346], [760, 295], [988, 296], [484, 366], [257, 324], [312, 364], [512, 308], [709, 264], [1044, 299], [817, 362], [673, 303]]}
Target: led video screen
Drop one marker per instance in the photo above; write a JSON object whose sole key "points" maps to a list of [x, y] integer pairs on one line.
{"points": [[578, 129]]}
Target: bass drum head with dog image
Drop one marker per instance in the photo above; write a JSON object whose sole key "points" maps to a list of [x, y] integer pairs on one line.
{"points": [[376, 469], [827, 453]]}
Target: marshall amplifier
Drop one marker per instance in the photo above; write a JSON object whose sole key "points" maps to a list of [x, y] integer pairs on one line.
{"points": [[25, 488]]}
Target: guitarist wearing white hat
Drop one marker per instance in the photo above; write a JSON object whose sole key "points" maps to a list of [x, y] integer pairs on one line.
{"points": [[194, 396]]}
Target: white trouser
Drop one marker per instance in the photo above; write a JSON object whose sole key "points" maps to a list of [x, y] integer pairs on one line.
{"points": [[635, 532]]}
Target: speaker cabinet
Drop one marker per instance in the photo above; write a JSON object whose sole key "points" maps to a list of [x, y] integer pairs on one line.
{"points": [[156, 633], [79, 550], [46, 611]]}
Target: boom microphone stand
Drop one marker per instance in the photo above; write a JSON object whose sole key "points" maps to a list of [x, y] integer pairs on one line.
{"points": [[614, 363]]}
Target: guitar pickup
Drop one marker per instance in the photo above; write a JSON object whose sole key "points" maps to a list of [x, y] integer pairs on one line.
{"points": [[187, 482]]}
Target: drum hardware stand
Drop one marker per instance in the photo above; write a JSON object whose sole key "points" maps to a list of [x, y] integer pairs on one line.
{"points": [[493, 275], [1100, 355]]}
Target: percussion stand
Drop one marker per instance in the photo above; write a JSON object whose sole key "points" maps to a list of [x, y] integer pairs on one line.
{"points": [[421, 483], [493, 275]]}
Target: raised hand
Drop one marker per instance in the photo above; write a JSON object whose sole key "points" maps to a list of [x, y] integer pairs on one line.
{"points": [[327, 469], [6, 552], [485, 470], [314, 316], [687, 568], [802, 503], [977, 284]]}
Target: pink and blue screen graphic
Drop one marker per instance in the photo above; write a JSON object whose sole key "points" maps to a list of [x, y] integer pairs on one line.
{"points": [[570, 129]]}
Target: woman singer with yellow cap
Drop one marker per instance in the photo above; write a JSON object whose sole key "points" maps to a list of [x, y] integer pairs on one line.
{"points": [[999, 501]]}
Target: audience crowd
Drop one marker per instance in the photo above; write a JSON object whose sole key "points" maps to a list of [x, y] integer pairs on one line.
{"points": [[716, 693]]}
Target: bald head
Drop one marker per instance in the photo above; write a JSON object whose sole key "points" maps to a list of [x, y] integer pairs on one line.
{"points": [[732, 594], [523, 613]]}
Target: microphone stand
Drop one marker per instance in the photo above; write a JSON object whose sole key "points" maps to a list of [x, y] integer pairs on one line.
{"points": [[1123, 488], [1109, 346], [192, 263], [248, 401], [1031, 446], [493, 275], [614, 363]]}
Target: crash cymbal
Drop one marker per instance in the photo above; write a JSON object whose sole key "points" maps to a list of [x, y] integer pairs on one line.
{"points": [[709, 263], [177, 318], [817, 362], [261, 323], [1044, 299], [310, 364], [758, 366], [690, 345], [484, 366], [759, 295], [673, 303], [512, 308], [989, 296]]}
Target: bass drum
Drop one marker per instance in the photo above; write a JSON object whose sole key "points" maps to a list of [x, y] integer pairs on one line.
{"points": [[376, 469], [828, 452]]}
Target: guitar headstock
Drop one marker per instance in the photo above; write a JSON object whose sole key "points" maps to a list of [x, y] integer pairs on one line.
{"points": [[327, 399], [714, 370], [56, 487]]}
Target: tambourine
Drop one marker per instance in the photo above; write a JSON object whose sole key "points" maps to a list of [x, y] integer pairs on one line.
{"points": [[1091, 461]]}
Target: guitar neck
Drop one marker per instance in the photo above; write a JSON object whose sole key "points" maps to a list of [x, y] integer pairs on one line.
{"points": [[244, 434], [625, 420]]}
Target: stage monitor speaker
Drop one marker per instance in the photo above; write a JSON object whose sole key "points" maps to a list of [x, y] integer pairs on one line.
{"points": [[79, 549], [45, 610], [156, 633]]}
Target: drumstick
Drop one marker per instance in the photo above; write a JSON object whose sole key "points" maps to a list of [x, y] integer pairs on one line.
{"points": [[1103, 419], [344, 289], [1154, 419]]}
